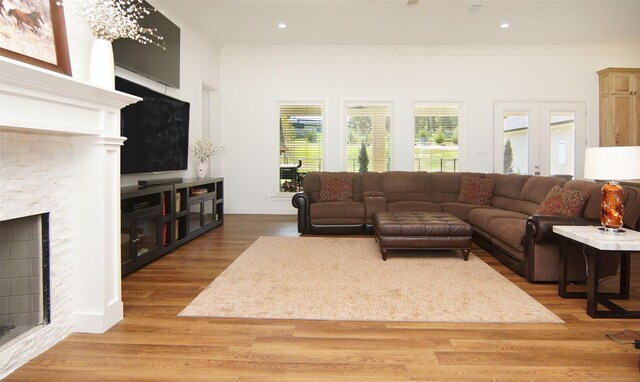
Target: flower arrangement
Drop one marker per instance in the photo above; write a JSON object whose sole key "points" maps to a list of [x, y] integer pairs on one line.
{"points": [[203, 149], [114, 19]]}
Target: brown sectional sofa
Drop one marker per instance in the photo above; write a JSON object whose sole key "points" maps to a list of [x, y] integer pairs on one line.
{"points": [[508, 227]]}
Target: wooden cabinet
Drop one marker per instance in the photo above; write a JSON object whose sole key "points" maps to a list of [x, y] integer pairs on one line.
{"points": [[619, 107], [157, 219], [201, 208], [143, 225]]}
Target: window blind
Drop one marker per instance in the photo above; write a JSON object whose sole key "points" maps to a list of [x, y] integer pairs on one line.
{"points": [[301, 140], [368, 137]]}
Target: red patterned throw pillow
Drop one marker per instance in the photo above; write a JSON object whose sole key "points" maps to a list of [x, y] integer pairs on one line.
{"points": [[563, 202], [336, 188], [476, 190]]}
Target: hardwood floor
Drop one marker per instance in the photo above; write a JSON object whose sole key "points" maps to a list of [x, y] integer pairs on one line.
{"points": [[153, 344]]}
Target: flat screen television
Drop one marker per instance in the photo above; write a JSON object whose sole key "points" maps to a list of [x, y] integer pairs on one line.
{"points": [[149, 60], [157, 131]]}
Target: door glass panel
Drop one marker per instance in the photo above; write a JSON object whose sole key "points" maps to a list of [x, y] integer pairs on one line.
{"points": [[209, 211], [147, 232], [194, 217], [125, 242], [562, 129], [515, 144], [540, 138]]}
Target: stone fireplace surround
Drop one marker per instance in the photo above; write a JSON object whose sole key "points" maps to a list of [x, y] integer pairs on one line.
{"points": [[60, 153]]}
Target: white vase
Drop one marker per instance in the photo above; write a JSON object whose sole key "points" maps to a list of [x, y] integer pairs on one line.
{"points": [[101, 67], [202, 168]]}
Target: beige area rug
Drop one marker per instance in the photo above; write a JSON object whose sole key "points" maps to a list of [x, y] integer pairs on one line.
{"points": [[319, 278]]}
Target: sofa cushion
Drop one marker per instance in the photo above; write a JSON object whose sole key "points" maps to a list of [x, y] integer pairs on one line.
{"points": [[311, 184], [507, 190], [534, 192], [337, 213], [564, 202], [371, 181], [445, 186], [414, 206], [481, 217], [510, 231], [406, 186], [460, 210], [336, 188], [476, 190]]}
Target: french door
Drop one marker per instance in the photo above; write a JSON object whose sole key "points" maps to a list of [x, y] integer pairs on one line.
{"points": [[539, 138]]}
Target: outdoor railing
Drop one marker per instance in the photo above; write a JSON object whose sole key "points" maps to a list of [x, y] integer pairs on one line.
{"points": [[436, 164]]}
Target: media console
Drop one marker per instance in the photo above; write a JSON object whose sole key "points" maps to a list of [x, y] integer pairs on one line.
{"points": [[157, 219]]}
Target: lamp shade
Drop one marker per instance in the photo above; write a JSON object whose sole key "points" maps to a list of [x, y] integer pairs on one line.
{"points": [[612, 163]]}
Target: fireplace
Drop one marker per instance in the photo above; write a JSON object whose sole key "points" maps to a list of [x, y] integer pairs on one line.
{"points": [[24, 276], [60, 161]]}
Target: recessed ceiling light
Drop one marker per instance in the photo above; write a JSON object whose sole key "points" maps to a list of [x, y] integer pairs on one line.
{"points": [[504, 25], [282, 25]]}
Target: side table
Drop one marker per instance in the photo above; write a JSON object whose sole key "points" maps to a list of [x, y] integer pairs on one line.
{"points": [[599, 244]]}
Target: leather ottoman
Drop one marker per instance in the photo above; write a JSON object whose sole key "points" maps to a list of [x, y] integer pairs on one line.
{"points": [[421, 230]]}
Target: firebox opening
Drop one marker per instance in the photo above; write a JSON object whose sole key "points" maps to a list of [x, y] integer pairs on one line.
{"points": [[24, 276]]}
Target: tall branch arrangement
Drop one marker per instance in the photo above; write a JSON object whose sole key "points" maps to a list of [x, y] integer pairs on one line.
{"points": [[114, 19], [203, 149]]}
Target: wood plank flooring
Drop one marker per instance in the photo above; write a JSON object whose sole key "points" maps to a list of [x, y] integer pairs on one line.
{"points": [[153, 344]]}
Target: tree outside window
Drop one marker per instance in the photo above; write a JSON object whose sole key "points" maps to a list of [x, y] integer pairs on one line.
{"points": [[368, 137]]}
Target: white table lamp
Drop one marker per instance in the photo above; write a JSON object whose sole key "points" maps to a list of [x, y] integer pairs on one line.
{"points": [[615, 163]]}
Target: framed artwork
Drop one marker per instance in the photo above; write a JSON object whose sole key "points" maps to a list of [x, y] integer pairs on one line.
{"points": [[34, 32]]}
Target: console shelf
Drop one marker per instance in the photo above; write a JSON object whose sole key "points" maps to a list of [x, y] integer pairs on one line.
{"points": [[155, 220]]}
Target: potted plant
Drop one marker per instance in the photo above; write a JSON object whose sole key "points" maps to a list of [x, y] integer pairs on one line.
{"points": [[202, 150]]}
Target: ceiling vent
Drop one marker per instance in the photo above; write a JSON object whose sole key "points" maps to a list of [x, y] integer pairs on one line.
{"points": [[475, 7]]}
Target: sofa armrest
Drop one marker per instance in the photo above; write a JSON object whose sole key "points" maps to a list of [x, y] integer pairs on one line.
{"points": [[302, 201], [379, 194], [373, 204], [540, 227], [542, 250]]}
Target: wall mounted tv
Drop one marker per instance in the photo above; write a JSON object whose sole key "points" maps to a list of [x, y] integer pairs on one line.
{"points": [[157, 131], [149, 60]]}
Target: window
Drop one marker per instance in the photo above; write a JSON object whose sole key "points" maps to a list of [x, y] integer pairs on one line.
{"points": [[368, 137], [436, 128], [301, 135]]}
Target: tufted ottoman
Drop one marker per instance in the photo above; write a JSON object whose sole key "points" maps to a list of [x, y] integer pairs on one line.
{"points": [[421, 230]]}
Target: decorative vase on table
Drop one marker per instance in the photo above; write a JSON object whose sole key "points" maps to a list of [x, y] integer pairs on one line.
{"points": [[202, 168], [101, 66]]}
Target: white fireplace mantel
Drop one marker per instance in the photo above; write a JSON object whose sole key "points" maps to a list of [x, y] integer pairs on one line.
{"points": [[36, 101]]}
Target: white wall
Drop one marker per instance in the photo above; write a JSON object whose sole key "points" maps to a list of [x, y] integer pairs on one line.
{"points": [[253, 78], [199, 68]]}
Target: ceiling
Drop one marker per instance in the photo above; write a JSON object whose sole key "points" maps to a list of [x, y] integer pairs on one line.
{"points": [[430, 22]]}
